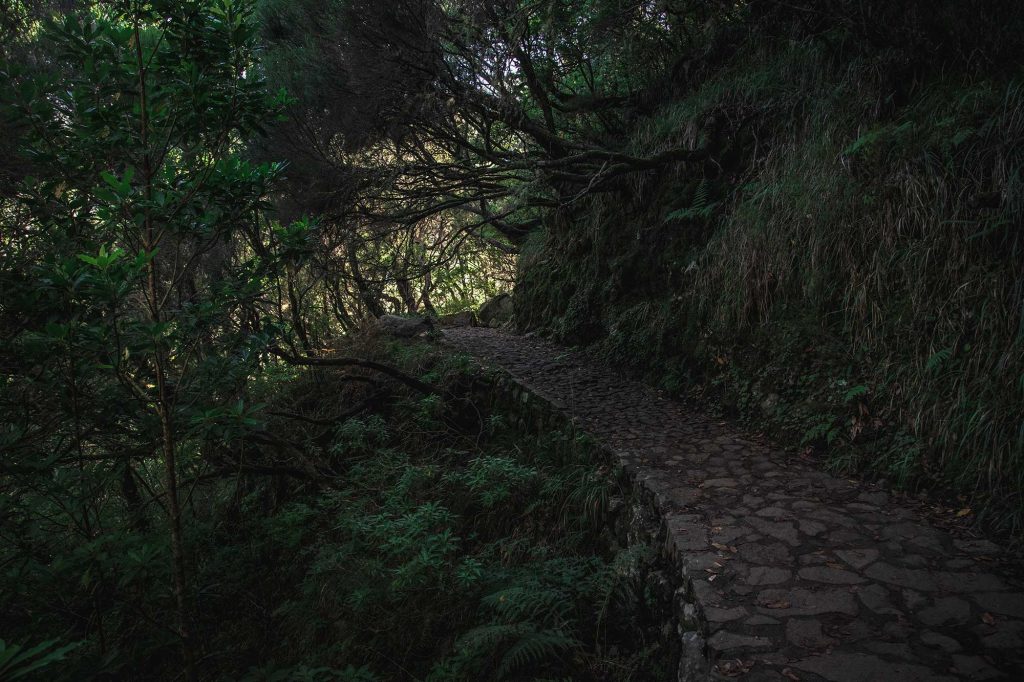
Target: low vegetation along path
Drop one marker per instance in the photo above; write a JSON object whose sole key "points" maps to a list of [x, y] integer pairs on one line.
{"points": [[799, 574]]}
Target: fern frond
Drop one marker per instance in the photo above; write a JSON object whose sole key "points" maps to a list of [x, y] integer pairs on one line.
{"points": [[534, 648], [484, 638], [17, 662], [529, 602]]}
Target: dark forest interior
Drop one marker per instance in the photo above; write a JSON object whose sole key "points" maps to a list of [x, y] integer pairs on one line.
{"points": [[235, 444]]}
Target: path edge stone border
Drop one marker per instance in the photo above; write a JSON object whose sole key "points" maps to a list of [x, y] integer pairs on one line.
{"points": [[641, 515]]}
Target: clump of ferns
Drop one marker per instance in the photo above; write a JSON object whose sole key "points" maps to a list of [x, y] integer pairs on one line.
{"points": [[488, 488], [530, 626], [360, 436], [538, 619]]}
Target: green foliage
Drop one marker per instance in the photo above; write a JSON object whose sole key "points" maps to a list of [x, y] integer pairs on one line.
{"points": [[304, 673], [519, 647], [20, 662], [493, 480], [133, 313], [461, 566], [853, 225], [430, 553], [701, 208]]}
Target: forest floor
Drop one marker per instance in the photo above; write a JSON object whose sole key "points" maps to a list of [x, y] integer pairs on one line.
{"points": [[800, 575]]}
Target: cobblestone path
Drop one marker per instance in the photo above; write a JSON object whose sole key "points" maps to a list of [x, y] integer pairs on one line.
{"points": [[799, 575]]}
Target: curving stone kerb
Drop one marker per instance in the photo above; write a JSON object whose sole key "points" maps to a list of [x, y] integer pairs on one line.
{"points": [[632, 518], [787, 573]]}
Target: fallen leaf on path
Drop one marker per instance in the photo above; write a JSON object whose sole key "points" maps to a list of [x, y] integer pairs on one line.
{"points": [[779, 604], [988, 619], [734, 668]]}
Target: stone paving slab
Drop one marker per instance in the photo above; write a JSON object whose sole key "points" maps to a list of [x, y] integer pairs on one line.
{"points": [[799, 575]]}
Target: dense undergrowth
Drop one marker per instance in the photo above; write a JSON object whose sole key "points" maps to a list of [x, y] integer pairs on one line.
{"points": [[847, 272], [445, 544]]}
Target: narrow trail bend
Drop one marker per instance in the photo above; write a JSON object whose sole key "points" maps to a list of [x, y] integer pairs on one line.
{"points": [[799, 574]]}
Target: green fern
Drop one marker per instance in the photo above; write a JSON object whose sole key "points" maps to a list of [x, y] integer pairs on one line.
{"points": [[17, 661], [515, 646], [534, 648], [304, 673], [529, 602], [618, 588], [702, 206], [937, 359], [854, 392]]}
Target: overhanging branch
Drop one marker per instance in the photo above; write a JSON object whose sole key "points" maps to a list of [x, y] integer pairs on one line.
{"points": [[392, 372]]}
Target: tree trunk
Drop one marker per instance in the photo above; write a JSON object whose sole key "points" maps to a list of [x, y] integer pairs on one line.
{"points": [[295, 306], [164, 403], [408, 297]]}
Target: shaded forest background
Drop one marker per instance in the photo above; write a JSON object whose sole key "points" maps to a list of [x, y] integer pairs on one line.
{"points": [[806, 213]]}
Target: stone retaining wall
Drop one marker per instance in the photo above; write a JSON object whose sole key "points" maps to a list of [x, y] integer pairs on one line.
{"points": [[635, 518]]}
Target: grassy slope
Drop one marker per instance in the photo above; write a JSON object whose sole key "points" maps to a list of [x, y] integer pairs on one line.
{"points": [[848, 275]]}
